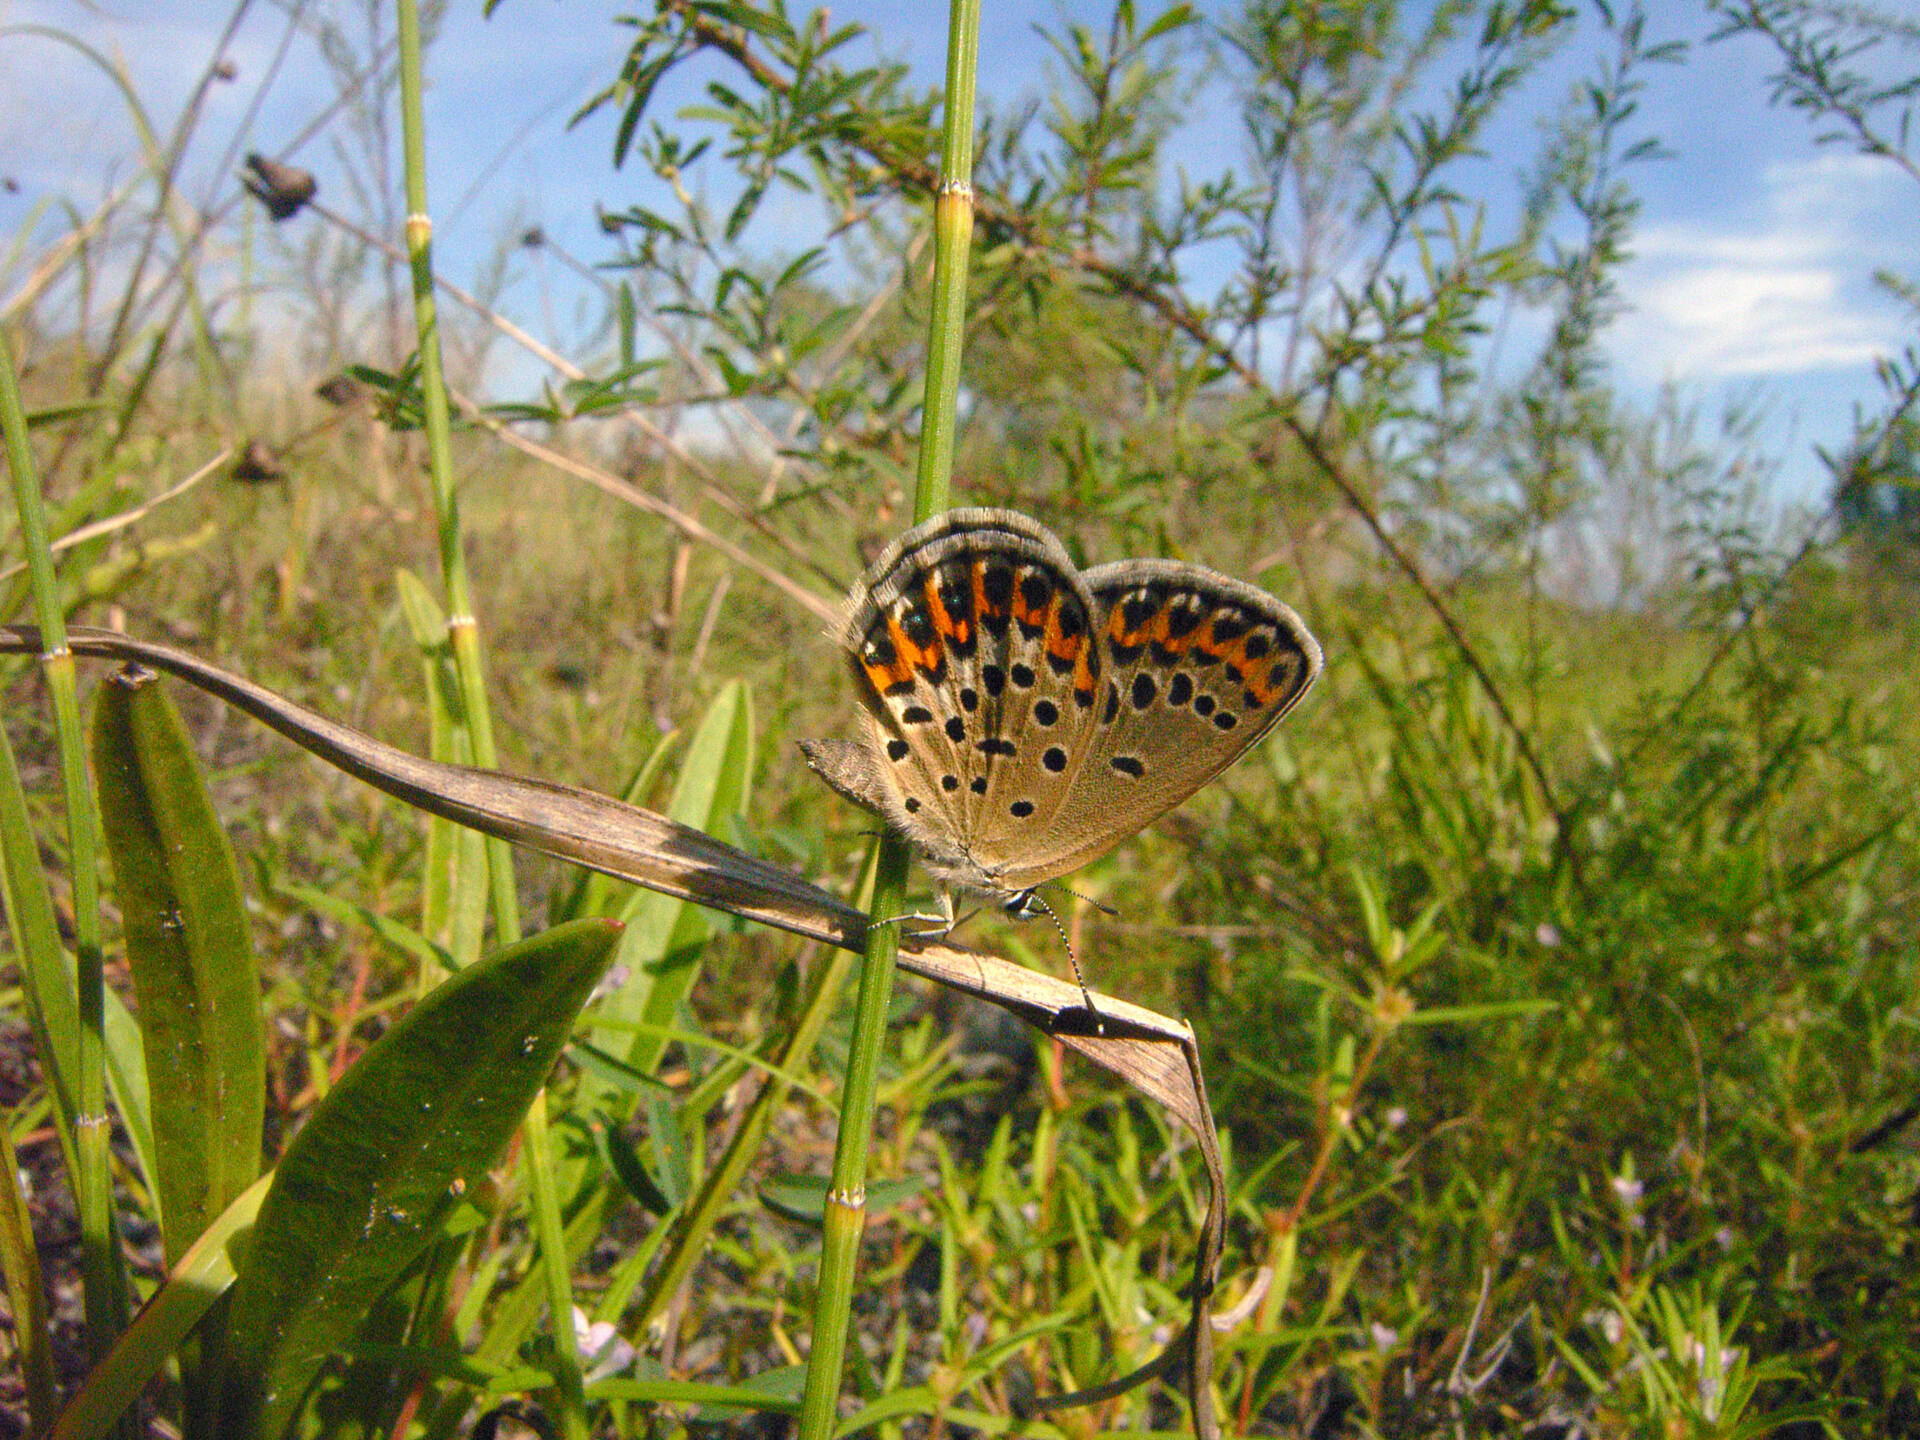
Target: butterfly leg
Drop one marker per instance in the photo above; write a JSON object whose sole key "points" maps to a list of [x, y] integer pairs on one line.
{"points": [[942, 922]]}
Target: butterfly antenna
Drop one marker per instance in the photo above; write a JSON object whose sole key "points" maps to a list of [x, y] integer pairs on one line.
{"points": [[1034, 897], [1104, 909]]}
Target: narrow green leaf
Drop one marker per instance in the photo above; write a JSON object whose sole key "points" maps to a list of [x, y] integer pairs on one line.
{"points": [[454, 905], [190, 955], [803, 1198], [367, 1183], [201, 1277], [775, 1395], [45, 969], [26, 1292], [619, 1156], [666, 938], [127, 1074], [351, 914], [1172, 20]]}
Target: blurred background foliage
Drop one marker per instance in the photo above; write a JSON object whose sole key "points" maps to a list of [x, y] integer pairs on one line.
{"points": [[1554, 964]]}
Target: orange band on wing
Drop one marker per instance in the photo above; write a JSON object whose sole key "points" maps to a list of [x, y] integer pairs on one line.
{"points": [[1260, 666], [947, 625], [1164, 637], [908, 660], [1027, 615], [983, 606]]}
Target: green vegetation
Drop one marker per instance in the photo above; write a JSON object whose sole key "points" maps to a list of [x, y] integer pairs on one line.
{"points": [[1553, 967]]}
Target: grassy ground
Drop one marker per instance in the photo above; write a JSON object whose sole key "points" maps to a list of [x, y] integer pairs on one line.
{"points": [[1553, 965], [1525, 1122]]}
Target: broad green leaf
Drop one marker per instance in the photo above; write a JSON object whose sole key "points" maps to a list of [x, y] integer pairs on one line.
{"points": [[190, 955], [367, 1183]]}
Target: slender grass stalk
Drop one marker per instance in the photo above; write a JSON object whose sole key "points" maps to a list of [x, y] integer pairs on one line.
{"points": [[106, 1292], [846, 1211], [26, 1292], [462, 627], [952, 248], [464, 633]]}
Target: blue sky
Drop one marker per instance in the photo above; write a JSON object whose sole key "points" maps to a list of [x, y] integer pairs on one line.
{"points": [[1754, 256]]}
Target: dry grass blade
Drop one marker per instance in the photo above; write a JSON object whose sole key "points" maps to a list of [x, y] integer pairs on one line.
{"points": [[120, 520], [827, 611]]}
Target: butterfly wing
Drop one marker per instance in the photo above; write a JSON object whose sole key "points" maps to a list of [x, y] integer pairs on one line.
{"points": [[972, 642], [1198, 667]]}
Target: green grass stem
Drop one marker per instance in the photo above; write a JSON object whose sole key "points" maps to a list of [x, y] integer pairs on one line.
{"points": [[106, 1306], [846, 1195]]}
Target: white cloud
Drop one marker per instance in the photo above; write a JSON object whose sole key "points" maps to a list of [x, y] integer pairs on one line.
{"points": [[1784, 291]]}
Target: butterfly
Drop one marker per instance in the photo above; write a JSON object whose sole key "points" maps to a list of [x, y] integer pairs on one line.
{"points": [[1023, 717]]}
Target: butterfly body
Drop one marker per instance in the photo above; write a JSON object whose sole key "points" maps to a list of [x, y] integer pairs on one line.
{"points": [[1022, 717]]}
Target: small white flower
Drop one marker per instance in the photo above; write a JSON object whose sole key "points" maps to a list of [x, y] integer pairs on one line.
{"points": [[1608, 1322], [601, 1349]]}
